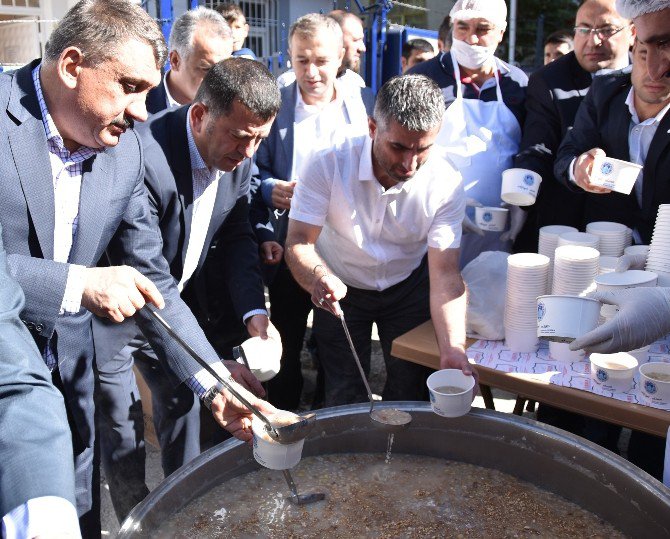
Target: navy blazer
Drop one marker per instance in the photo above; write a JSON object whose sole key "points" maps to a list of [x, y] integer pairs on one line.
{"points": [[275, 156], [603, 121], [157, 98], [114, 217], [234, 262], [36, 451], [554, 94]]}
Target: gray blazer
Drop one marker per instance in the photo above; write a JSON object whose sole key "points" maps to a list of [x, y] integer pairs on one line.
{"points": [[234, 263], [36, 455], [114, 216]]}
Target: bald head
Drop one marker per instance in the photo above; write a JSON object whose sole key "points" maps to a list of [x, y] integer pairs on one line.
{"points": [[608, 47]]}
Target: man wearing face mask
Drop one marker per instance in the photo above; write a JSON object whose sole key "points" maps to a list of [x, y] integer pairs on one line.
{"points": [[482, 125]]}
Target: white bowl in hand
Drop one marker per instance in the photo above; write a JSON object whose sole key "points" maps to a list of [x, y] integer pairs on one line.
{"points": [[264, 357]]}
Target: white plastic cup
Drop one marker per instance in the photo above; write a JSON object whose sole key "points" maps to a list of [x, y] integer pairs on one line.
{"points": [[264, 357], [613, 372], [641, 354], [564, 318], [450, 404], [520, 186], [615, 174], [610, 282], [491, 219], [521, 341], [658, 391], [271, 454], [636, 250], [560, 351]]}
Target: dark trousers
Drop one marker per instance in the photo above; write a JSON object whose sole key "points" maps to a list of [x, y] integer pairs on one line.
{"points": [[395, 310], [86, 475], [121, 423], [289, 308]]}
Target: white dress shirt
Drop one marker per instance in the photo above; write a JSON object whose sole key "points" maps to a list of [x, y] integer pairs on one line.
{"points": [[326, 126], [45, 516], [374, 238], [640, 135], [170, 101]]}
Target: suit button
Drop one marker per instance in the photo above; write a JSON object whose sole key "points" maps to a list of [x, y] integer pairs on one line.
{"points": [[39, 328]]}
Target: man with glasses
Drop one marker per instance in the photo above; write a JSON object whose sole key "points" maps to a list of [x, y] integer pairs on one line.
{"points": [[602, 41], [482, 127]]}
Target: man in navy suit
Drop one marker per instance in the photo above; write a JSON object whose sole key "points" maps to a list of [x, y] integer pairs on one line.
{"points": [[34, 433], [73, 190], [198, 171], [316, 109], [199, 38]]}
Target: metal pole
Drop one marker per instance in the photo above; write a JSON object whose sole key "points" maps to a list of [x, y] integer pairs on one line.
{"points": [[512, 30]]}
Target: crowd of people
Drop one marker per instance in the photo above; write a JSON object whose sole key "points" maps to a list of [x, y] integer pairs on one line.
{"points": [[190, 190]]}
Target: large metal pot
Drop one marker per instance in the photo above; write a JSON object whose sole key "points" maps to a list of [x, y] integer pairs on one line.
{"points": [[550, 458]]}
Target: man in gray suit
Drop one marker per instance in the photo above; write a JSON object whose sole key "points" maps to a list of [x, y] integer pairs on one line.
{"points": [[316, 109], [198, 171], [34, 434], [73, 189]]}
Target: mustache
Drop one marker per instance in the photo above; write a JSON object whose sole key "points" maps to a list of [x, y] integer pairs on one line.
{"points": [[124, 123]]}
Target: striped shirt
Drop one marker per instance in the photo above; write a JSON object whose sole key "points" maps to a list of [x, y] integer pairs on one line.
{"points": [[66, 171]]}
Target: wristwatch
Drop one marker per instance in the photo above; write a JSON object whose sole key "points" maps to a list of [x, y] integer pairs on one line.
{"points": [[210, 395]]}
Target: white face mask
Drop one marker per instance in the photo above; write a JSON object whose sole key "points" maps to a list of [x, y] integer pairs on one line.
{"points": [[471, 56]]}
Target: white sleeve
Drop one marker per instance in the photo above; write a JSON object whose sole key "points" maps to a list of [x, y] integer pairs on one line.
{"points": [[447, 227], [48, 515], [311, 198]]}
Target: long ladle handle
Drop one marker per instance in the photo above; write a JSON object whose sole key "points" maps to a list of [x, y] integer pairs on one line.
{"points": [[211, 371], [290, 483], [358, 361]]}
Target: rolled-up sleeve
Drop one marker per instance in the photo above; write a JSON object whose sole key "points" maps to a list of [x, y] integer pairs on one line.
{"points": [[446, 229], [311, 198]]}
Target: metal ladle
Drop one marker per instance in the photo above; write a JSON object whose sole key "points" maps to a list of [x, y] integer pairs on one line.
{"points": [[301, 499], [284, 434], [389, 419]]}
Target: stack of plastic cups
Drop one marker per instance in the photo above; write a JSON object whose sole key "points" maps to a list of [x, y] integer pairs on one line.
{"points": [[575, 268], [527, 278], [613, 237], [579, 238], [629, 237], [549, 241], [658, 259]]}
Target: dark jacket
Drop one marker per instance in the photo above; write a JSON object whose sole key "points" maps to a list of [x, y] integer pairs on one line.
{"points": [[554, 94], [603, 121]]}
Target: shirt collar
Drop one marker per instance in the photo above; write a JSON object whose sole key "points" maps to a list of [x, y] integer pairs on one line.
{"points": [[171, 101], [197, 162], [53, 136], [630, 102], [300, 103]]}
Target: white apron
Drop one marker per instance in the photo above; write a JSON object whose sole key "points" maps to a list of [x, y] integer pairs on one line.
{"points": [[481, 139]]}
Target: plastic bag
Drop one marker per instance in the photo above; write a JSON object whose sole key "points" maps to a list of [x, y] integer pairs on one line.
{"points": [[486, 280]]}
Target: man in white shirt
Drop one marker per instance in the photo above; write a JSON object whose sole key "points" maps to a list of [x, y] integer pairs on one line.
{"points": [[374, 230], [316, 110], [199, 38]]}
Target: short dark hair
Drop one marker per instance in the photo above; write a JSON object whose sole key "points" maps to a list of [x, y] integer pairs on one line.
{"points": [[230, 11], [444, 31], [99, 27], [243, 80], [416, 45], [413, 101], [559, 37]]}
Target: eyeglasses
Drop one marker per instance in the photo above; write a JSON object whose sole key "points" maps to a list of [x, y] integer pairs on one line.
{"points": [[604, 33]]}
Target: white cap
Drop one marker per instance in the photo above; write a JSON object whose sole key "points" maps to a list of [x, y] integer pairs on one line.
{"points": [[494, 11], [630, 9]]}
